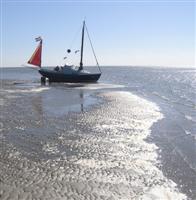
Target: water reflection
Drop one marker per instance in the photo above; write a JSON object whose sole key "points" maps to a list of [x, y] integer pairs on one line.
{"points": [[58, 101], [81, 97], [38, 108]]}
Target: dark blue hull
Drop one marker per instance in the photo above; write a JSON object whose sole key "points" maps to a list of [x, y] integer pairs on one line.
{"points": [[54, 76]]}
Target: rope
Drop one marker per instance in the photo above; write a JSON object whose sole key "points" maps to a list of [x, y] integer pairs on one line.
{"points": [[74, 38], [72, 42], [92, 48]]}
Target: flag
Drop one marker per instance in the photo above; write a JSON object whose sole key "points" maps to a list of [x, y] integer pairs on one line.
{"points": [[38, 39]]}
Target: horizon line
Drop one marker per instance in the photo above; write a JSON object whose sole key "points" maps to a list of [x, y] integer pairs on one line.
{"points": [[147, 66]]}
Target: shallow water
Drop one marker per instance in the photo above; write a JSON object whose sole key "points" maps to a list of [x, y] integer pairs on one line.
{"points": [[98, 141]]}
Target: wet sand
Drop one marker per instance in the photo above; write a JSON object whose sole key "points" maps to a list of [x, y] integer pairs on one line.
{"points": [[79, 143]]}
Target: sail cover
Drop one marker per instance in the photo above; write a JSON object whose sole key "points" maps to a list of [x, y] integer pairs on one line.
{"points": [[36, 57]]}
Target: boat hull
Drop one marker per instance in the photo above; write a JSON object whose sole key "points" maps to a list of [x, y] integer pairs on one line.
{"points": [[69, 78]]}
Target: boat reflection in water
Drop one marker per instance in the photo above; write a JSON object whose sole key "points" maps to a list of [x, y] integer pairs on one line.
{"points": [[58, 100]]}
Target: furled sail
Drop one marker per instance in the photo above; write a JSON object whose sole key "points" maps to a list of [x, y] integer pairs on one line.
{"points": [[36, 57]]}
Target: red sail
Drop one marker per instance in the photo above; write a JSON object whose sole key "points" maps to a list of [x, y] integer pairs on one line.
{"points": [[36, 57]]}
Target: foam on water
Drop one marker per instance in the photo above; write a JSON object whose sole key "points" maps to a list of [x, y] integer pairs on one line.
{"points": [[99, 86], [190, 118], [27, 90], [89, 86]]}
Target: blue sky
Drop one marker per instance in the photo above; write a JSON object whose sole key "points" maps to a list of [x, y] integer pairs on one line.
{"points": [[145, 33]]}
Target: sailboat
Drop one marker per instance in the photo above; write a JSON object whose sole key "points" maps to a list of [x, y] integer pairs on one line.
{"points": [[66, 73]]}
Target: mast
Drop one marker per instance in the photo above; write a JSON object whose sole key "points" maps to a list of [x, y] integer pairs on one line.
{"points": [[82, 46]]}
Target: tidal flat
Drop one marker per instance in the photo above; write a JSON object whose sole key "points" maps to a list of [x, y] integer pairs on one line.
{"points": [[79, 142]]}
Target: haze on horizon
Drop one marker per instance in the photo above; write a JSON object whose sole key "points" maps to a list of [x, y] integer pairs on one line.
{"points": [[143, 33]]}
